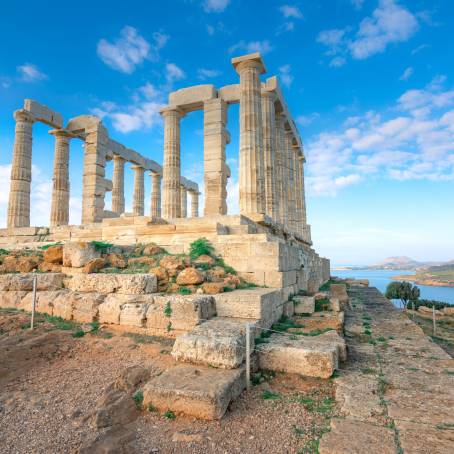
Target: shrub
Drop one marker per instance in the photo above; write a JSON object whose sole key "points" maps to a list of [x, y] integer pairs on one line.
{"points": [[200, 247], [138, 398], [429, 303], [79, 333], [169, 414]]}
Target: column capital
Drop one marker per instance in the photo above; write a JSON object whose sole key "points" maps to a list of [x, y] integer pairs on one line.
{"points": [[271, 95], [155, 174], [249, 61], [172, 110], [117, 157], [24, 116], [137, 167]]}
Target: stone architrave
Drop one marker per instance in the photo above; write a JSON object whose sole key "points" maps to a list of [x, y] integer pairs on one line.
{"points": [[155, 195], [194, 204], [139, 191], [269, 146], [171, 207], [21, 171], [118, 185], [59, 213], [281, 169], [215, 140], [94, 182], [184, 202], [249, 68], [290, 181]]}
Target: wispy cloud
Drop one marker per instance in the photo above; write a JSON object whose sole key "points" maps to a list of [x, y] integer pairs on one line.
{"points": [[389, 23], [305, 120], [130, 49], [358, 4], [285, 76], [203, 73], [263, 47], [291, 11], [407, 73], [417, 143], [174, 73], [30, 73], [215, 6]]}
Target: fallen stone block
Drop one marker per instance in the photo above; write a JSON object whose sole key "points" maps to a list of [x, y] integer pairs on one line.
{"points": [[133, 314], [312, 356], [77, 253], [126, 284], [304, 304], [86, 306], [216, 343], [197, 391], [339, 291], [45, 301]]}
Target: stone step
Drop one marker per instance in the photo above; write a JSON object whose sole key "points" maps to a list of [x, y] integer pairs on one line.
{"points": [[312, 356], [197, 391], [216, 343], [321, 321]]}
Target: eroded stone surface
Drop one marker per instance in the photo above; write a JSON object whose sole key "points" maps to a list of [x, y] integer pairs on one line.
{"points": [[126, 284]]}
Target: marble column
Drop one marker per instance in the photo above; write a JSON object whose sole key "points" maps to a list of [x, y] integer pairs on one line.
{"points": [[291, 214], [171, 206], [269, 145], [155, 195], [215, 139], [184, 202], [251, 181], [21, 171], [281, 169], [298, 191], [59, 213], [194, 204], [118, 185], [301, 161], [139, 191]]}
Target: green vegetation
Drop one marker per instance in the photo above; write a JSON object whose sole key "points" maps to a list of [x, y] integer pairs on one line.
{"points": [[321, 304], [184, 291], [168, 309], [138, 399], [368, 370], [152, 408], [47, 246], [403, 291], [430, 303], [327, 285], [3, 251], [169, 414], [79, 333], [270, 395], [101, 245], [200, 247]]}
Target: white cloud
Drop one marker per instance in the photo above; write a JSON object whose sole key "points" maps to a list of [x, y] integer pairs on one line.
{"points": [[407, 73], [30, 73], [252, 46], [174, 73], [203, 73], [285, 76], [419, 48], [291, 11], [130, 49], [337, 62], [215, 6], [305, 120], [389, 23], [358, 4], [407, 146]]}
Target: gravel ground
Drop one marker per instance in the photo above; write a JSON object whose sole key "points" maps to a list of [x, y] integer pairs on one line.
{"points": [[47, 398]]}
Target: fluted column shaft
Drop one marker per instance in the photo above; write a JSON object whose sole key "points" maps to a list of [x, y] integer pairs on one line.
{"points": [[251, 138], [21, 171], [301, 161], [155, 195], [139, 191], [194, 204], [171, 167], [298, 191], [184, 202], [269, 146], [281, 169], [59, 213], [118, 185], [291, 181]]}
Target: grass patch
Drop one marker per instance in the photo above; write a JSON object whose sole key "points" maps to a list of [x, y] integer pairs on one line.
{"points": [[101, 245], [79, 333], [368, 370], [270, 395], [169, 414], [262, 376], [260, 340], [200, 247], [152, 409], [284, 324], [445, 426], [381, 339], [321, 304], [138, 399], [184, 291], [47, 246], [367, 332]]}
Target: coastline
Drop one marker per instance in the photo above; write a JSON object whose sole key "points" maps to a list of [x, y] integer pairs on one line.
{"points": [[420, 280]]}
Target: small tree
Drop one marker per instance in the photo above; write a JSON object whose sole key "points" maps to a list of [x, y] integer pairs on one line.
{"points": [[403, 291]]}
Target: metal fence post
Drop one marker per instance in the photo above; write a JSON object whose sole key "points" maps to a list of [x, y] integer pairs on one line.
{"points": [[248, 356], [34, 303]]}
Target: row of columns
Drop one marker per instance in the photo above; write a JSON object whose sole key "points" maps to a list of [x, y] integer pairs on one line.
{"points": [[94, 183]]}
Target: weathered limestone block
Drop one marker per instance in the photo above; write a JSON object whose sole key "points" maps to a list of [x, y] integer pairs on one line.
{"points": [[85, 306], [77, 254], [201, 392], [45, 301], [339, 291], [448, 310], [304, 304], [63, 305], [189, 276], [289, 309], [53, 254], [109, 311], [216, 343], [133, 314], [316, 356], [24, 282], [11, 299], [126, 284], [335, 304], [185, 311]]}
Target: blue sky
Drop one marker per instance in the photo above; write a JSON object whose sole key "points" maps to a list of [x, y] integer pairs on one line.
{"points": [[369, 82]]}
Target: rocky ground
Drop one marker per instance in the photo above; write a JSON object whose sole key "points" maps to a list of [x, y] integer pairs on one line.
{"points": [[56, 395]]}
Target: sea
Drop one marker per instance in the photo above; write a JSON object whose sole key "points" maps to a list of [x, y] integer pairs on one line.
{"points": [[381, 279]]}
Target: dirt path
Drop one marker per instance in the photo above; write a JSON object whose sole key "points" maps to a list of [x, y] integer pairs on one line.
{"points": [[396, 391]]}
